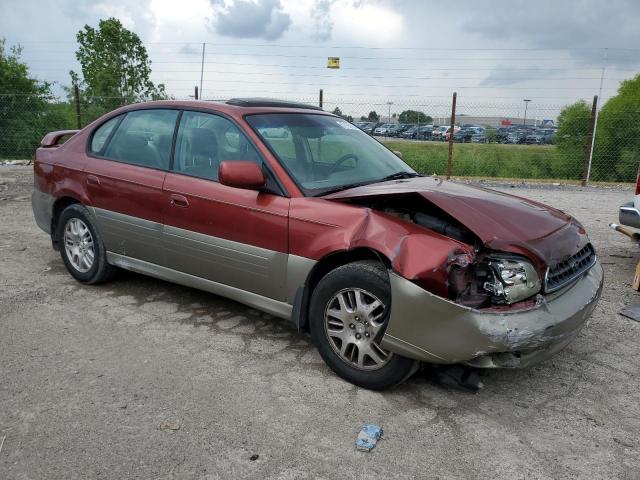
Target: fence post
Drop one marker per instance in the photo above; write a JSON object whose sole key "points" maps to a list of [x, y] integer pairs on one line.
{"points": [[588, 146], [76, 94], [453, 123], [320, 99]]}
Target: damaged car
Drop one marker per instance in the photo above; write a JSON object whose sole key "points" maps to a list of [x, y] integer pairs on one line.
{"points": [[298, 213]]}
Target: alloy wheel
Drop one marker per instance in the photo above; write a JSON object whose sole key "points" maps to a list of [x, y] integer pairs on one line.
{"points": [[78, 245], [353, 323]]}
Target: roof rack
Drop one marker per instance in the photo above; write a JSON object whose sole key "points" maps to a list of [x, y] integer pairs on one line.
{"points": [[269, 102]]}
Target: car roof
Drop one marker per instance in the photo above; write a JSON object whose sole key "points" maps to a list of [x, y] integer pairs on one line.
{"points": [[236, 106]]}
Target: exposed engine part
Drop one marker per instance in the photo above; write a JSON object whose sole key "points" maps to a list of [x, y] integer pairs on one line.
{"points": [[443, 227]]}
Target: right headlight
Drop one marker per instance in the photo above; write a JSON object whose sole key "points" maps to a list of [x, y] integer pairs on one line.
{"points": [[511, 280]]}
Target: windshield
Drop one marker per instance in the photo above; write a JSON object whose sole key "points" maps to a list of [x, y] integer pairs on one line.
{"points": [[324, 153]]}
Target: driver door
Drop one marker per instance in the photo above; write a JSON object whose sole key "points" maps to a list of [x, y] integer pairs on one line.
{"points": [[232, 236]]}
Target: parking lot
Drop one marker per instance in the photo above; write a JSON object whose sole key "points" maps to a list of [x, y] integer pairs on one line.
{"points": [[140, 378]]}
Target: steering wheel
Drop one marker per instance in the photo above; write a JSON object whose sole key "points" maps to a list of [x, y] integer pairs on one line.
{"points": [[340, 161]]}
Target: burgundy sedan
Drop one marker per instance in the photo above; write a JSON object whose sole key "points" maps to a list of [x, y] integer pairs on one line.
{"points": [[298, 213]]}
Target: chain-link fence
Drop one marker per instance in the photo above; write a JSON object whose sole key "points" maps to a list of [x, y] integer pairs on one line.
{"points": [[472, 137]]}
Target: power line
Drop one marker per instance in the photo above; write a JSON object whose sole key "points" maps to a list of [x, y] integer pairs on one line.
{"points": [[354, 47]]}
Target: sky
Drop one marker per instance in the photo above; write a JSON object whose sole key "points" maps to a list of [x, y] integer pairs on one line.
{"points": [[409, 53]]}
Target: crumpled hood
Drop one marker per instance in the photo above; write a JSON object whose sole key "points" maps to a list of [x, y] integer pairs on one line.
{"points": [[501, 221]]}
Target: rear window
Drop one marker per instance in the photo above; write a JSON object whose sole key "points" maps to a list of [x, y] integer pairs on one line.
{"points": [[144, 138]]}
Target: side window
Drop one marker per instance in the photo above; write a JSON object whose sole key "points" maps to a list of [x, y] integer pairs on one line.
{"points": [[144, 138], [102, 133], [204, 140]]}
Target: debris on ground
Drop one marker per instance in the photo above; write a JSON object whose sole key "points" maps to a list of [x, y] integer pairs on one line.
{"points": [[624, 443], [5, 437], [368, 437], [169, 426], [459, 376], [254, 457], [631, 311]]}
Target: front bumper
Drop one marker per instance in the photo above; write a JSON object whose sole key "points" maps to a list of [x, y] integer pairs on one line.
{"points": [[429, 328], [629, 215]]}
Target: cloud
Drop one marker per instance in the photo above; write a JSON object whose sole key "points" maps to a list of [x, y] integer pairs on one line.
{"points": [[584, 27], [189, 49], [250, 19], [321, 17], [504, 75]]}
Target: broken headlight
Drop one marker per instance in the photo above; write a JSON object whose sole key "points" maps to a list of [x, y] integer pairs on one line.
{"points": [[510, 280]]}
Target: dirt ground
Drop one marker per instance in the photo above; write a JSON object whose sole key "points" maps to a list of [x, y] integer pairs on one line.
{"points": [[88, 375]]}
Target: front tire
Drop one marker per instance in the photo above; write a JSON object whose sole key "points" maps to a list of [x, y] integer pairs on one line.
{"points": [[349, 313], [81, 246]]}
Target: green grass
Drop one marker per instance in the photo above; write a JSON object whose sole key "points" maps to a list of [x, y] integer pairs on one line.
{"points": [[490, 160], [542, 162]]}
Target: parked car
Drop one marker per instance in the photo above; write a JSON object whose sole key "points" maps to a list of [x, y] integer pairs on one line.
{"points": [[366, 127], [478, 138], [534, 138], [410, 132], [394, 130], [548, 135], [629, 213], [384, 129], [439, 133], [424, 133], [383, 267], [464, 134]]}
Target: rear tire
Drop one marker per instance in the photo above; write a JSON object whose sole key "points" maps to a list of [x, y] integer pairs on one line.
{"points": [[81, 246], [349, 313]]}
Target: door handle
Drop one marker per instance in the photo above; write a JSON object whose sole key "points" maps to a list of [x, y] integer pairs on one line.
{"points": [[178, 200], [93, 180]]}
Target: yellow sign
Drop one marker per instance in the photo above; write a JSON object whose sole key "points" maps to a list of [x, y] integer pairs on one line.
{"points": [[333, 62]]}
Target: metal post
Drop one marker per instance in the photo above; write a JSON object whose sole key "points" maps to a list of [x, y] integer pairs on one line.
{"points": [[453, 124], [320, 99], [526, 104], [196, 93], [202, 68], [595, 121], [76, 94], [588, 146]]}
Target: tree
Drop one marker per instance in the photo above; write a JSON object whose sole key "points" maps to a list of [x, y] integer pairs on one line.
{"points": [[338, 112], [115, 65], [26, 108], [373, 116], [413, 116], [617, 146], [573, 132]]}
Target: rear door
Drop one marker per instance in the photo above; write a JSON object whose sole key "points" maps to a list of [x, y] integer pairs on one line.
{"points": [[228, 235], [128, 160]]}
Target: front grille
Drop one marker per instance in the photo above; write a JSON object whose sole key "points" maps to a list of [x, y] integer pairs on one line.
{"points": [[565, 272]]}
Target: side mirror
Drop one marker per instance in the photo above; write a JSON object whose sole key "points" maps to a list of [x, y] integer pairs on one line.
{"points": [[241, 174], [397, 153]]}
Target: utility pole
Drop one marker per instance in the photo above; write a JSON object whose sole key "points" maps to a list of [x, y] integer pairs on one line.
{"points": [[588, 147], [597, 113], [76, 94], [452, 128], [389, 116], [202, 68], [320, 99], [526, 104], [196, 92]]}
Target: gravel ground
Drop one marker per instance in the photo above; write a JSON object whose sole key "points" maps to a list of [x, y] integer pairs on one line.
{"points": [[89, 374]]}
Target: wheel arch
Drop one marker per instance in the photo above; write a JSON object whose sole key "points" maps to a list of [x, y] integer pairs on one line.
{"points": [[58, 207], [300, 314]]}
